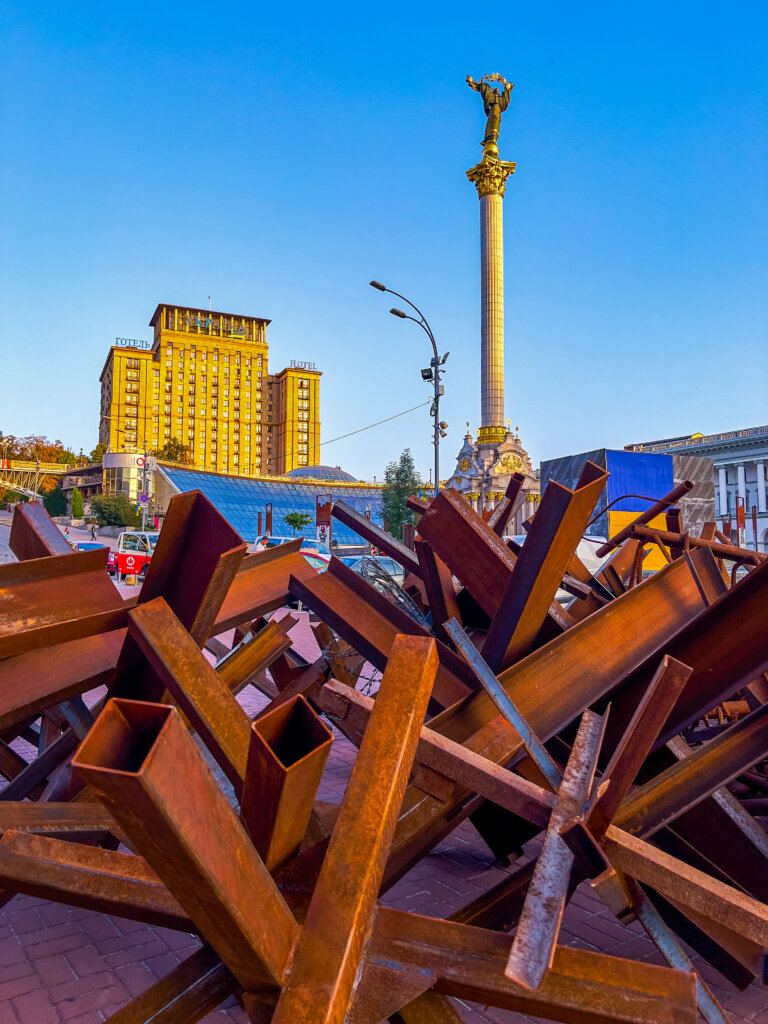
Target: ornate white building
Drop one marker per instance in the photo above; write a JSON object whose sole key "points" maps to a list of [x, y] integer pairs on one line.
{"points": [[483, 471]]}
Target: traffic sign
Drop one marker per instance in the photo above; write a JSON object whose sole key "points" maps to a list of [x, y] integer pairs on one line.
{"points": [[144, 499]]}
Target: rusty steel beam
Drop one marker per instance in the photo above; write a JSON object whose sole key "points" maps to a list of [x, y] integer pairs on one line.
{"points": [[194, 683], [726, 645], [440, 592], [261, 585], [253, 655], [727, 551], [509, 504], [538, 753], [416, 504], [184, 996], [376, 536], [686, 885], [552, 686], [478, 558], [581, 988], [305, 684], [551, 542], [35, 535], [638, 738], [714, 764], [289, 746], [441, 764], [429, 1008], [337, 924], [145, 766], [733, 956], [196, 558], [24, 784], [47, 601], [57, 820], [673, 952], [85, 876], [533, 948], [645, 517], [370, 623]]}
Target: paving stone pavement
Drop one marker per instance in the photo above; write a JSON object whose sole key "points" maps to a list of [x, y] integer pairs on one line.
{"points": [[63, 965]]}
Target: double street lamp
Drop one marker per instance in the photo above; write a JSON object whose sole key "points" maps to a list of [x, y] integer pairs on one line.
{"points": [[432, 373]]}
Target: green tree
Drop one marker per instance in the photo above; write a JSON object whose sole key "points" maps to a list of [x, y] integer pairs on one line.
{"points": [[400, 481], [174, 451], [55, 502], [297, 520], [77, 504], [98, 452], [114, 511]]}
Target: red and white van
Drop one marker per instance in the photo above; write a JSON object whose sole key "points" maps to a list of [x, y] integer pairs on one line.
{"points": [[134, 552]]}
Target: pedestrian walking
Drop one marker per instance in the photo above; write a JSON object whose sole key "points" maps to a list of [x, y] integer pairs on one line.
{"points": [[261, 546], [93, 531], [66, 532]]}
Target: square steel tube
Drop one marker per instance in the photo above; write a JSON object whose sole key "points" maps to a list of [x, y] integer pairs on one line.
{"points": [[286, 757], [143, 763]]}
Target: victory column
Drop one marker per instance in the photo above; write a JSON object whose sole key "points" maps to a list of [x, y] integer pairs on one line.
{"points": [[484, 466]]}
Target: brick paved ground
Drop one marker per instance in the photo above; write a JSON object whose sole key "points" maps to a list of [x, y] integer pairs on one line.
{"points": [[60, 964]]}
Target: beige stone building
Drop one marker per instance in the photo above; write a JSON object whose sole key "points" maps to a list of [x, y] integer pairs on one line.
{"points": [[203, 381]]}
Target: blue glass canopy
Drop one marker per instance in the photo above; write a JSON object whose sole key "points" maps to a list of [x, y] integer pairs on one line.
{"points": [[240, 499]]}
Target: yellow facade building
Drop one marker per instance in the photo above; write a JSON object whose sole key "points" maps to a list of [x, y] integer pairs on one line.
{"points": [[204, 381]]}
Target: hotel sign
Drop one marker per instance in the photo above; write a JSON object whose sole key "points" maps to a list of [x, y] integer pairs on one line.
{"points": [[296, 365], [132, 343], [223, 324]]}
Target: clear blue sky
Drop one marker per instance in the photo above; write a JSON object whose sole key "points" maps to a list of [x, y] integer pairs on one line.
{"points": [[278, 157]]}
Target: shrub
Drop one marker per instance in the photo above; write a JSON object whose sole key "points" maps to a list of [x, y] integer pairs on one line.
{"points": [[114, 511], [77, 504]]}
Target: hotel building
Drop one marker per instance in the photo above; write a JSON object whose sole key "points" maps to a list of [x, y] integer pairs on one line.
{"points": [[204, 382]]}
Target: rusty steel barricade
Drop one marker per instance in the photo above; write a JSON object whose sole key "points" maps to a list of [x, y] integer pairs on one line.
{"points": [[624, 728]]}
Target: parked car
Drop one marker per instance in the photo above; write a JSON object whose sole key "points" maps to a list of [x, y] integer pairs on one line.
{"points": [[389, 565], [134, 552], [90, 545], [307, 544]]}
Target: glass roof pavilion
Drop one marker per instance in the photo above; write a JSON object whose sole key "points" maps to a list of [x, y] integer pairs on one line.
{"points": [[240, 499]]}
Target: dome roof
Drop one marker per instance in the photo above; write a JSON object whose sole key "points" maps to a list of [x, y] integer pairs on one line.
{"points": [[322, 473]]}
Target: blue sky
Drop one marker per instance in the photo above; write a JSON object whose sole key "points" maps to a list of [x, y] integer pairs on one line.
{"points": [[278, 157]]}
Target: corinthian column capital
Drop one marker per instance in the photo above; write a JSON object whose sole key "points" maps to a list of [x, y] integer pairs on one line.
{"points": [[490, 176]]}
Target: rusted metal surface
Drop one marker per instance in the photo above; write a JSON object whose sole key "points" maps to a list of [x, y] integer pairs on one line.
{"points": [[562, 735], [370, 623], [375, 535], [184, 995], [47, 601], [533, 948], [684, 542], [327, 955], [646, 517], [557, 528], [261, 584], [582, 986], [253, 655], [194, 684], [134, 758], [513, 497], [439, 589], [84, 876], [288, 750], [34, 534]]}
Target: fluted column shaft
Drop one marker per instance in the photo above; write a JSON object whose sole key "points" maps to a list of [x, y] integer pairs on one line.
{"points": [[492, 310]]}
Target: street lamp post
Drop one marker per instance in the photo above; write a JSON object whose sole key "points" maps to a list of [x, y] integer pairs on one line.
{"points": [[431, 373]]}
